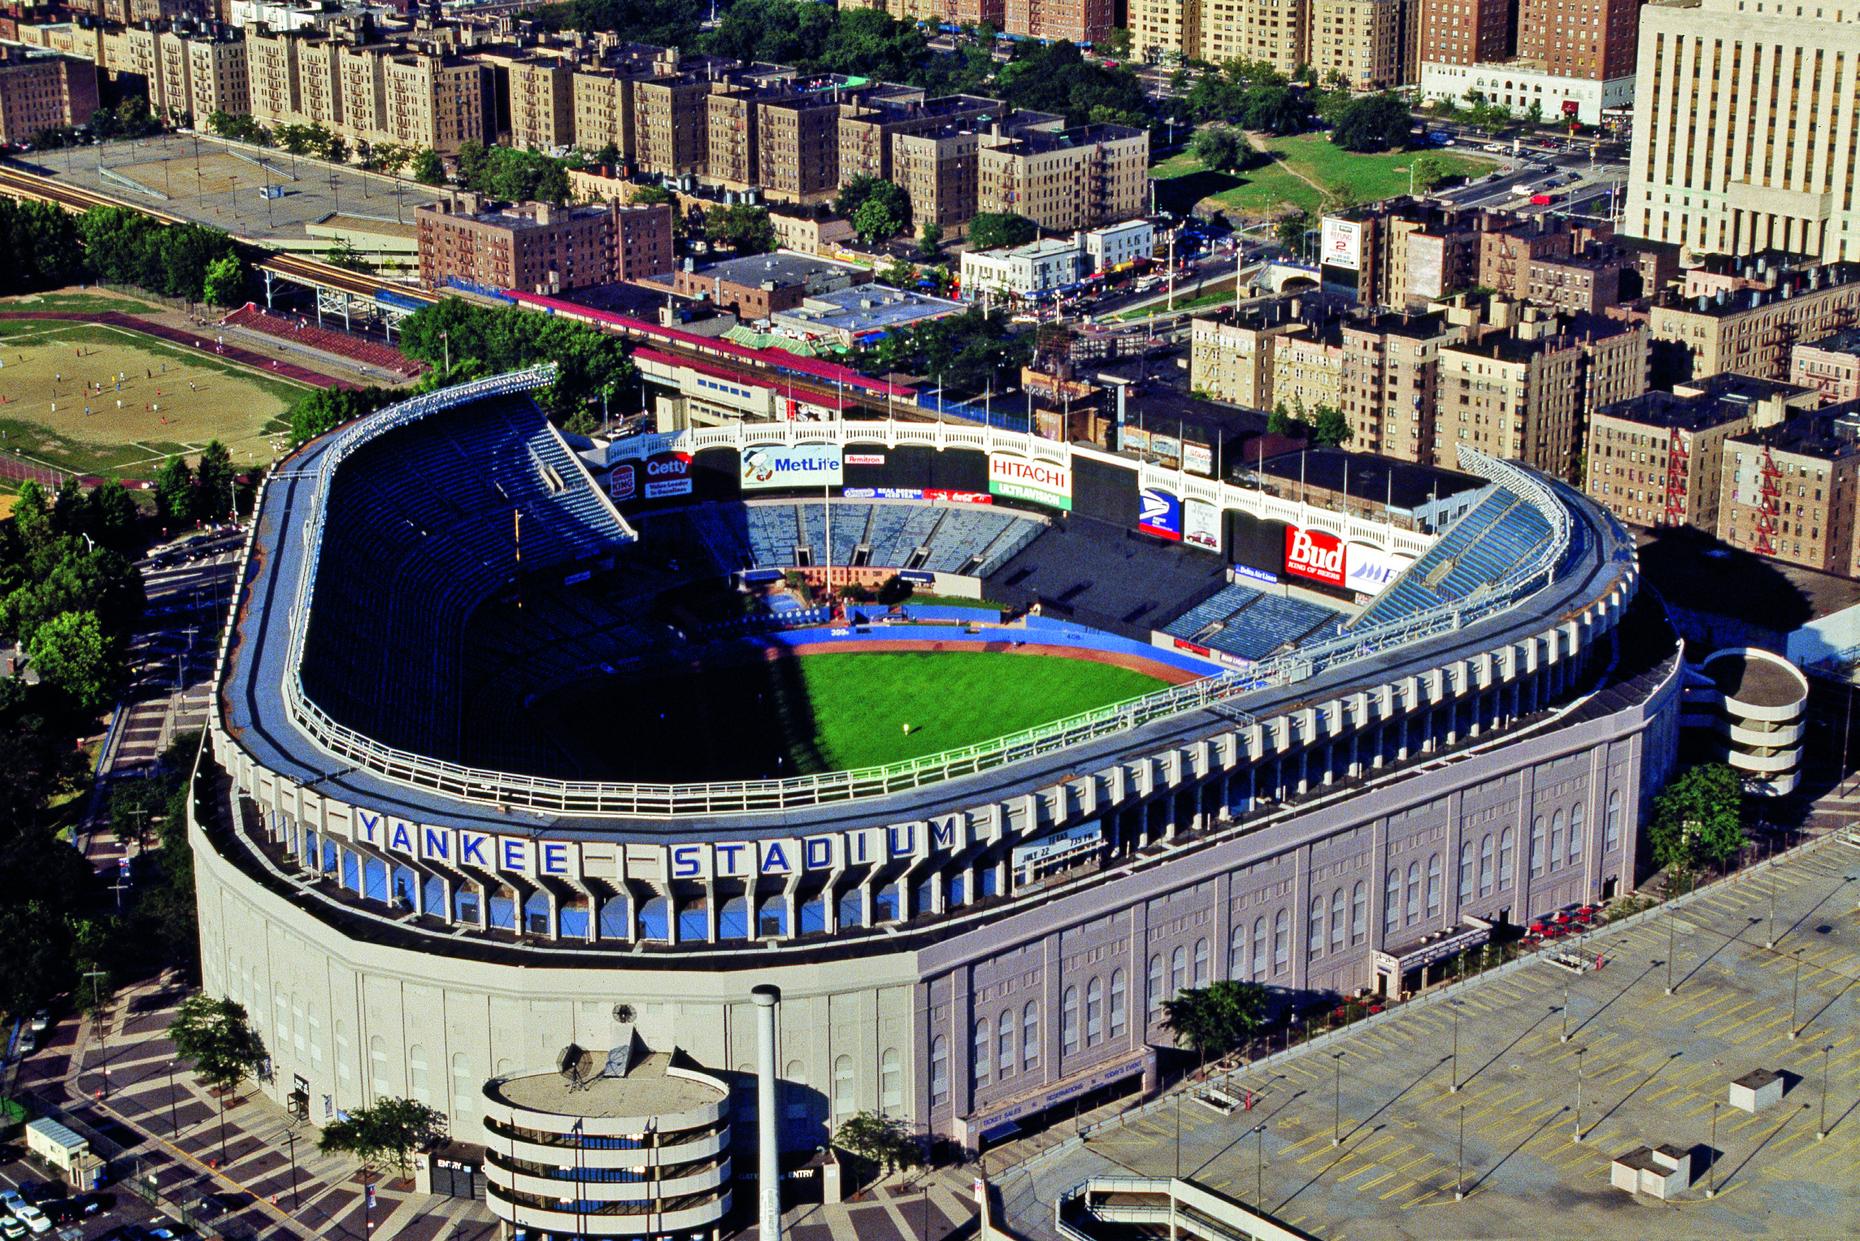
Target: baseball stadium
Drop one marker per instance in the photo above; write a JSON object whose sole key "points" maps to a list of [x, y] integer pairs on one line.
{"points": [[523, 744]]}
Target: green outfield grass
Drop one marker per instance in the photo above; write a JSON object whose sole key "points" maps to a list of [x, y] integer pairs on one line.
{"points": [[1284, 175], [757, 718]]}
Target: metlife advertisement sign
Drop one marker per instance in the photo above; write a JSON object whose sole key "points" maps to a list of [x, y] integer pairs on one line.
{"points": [[1160, 513], [1040, 482], [768, 467]]}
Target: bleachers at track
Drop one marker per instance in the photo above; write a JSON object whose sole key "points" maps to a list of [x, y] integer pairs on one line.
{"points": [[423, 524], [903, 535], [343, 344], [1495, 535], [1249, 623]]}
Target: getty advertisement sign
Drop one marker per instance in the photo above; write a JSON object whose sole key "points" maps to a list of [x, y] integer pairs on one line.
{"points": [[665, 474], [797, 465]]}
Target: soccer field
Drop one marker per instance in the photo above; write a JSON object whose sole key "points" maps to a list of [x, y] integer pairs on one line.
{"points": [[169, 400], [793, 715]]}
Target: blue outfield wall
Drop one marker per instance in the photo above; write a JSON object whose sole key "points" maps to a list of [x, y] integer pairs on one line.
{"points": [[1037, 630]]}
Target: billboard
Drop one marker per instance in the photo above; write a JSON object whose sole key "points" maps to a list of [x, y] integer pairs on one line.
{"points": [[1040, 482], [1314, 554], [1201, 525], [1250, 574], [1159, 513], [667, 474], [623, 484], [1369, 570], [1341, 244], [799, 465]]}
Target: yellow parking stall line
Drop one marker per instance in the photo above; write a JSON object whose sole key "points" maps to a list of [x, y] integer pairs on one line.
{"points": [[1368, 1185], [1421, 1200], [1748, 1122], [1368, 1166], [1496, 1103], [1292, 1146], [1731, 1014]]}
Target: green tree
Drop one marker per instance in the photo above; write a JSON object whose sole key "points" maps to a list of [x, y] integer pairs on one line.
{"points": [[1329, 428], [1372, 123], [1427, 172], [174, 491], [325, 409], [72, 654], [387, 1131], [1218, 1018], [652, 195], [427, 168], [134, 808], [882, 1140], [32, 515], [878, 220], [1697, 820], [1220, 147], [930, 239], [991, 230], [111, 515], [213, 483], [224, 282], [217, 1038], [743, 227]]}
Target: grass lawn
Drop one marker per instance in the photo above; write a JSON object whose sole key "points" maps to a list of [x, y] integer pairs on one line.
{"points": [[757, 717], [79, 302], [1286, 173], [169, 401]]}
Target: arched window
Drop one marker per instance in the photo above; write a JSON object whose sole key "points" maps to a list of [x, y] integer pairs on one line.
{"points": [[794, 1097], [939, 1071], [1117, 1003], [1281, 941], [693, 920], [1030, 1035], [1178, 971], [1153, 995], [1069, 1020], [1433, 885], [1259, 949], [315, 1024], [1611, 823], [1337, 930], [733, 919], [1485, 865], [1504, 859], [1414, 893], [1575, 833], [1004, 1035], [655, 919], [1466, 872], [1359, 912], [852, 908], [418, 1087], [343, 1069], [1556, 841], [1314, 929], [842, 1087], [1236, 951], [981, 1062], [1537, 846], [465, 1090], [890, 1082], [1094, 1011], [1391, 902], [377, 1068], [1201, 962]]}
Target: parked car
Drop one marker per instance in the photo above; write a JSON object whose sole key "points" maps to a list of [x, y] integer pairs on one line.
{"points": [[40, 1020], [33, 1218]]}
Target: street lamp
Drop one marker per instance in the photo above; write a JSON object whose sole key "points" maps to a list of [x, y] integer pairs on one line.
{"points": [[174, 1123], [1827, 1054], [1336, 1116], [290, 1142], [1580, 1052], [1565, 1035], [1672, 944], [1259, 1167], [1178, 1135], [1795, 993], [1453, 1087], [1459, 1171]]}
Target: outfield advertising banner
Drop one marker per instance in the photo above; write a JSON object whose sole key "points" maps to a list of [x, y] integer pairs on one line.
{"points": [[1370, 570], [1160, 513], [802, 465], [1040, 482], [1314, 554], [667, 474], [1201, 525], [623, 484]]}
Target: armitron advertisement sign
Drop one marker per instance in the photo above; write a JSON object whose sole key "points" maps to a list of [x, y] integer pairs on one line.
{"points": [[1041, 482], [1159, 513], [802, 465], [1314, 554]]}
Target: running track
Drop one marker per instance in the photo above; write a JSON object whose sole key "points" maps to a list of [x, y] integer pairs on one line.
{"points": [[201, 339]]}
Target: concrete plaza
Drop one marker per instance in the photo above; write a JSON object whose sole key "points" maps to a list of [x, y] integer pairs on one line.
{"points": [[1361, 1132]]}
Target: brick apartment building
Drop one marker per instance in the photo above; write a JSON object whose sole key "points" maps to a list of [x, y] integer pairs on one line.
{"points": [[1789, 491], [1752, 330], [1066, 180], [39, 92], [539, 248], [1830, 365]]}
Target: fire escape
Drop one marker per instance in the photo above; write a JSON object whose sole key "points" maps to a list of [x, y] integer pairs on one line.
{"points": [[1677, 460], [1769, 502]]}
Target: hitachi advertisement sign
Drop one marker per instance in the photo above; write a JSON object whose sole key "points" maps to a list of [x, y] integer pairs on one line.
{"points": [[1040, 482]]}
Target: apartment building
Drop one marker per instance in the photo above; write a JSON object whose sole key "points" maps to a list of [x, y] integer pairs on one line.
{"points": [[1165, 29], [184, 73], [1066, 180], [798, 147], [1033, 270], [1526, 393], [1589, 39], [1389, 386], [1657, 460], [1789, 491], [1747, 128], [1231, 351], [539, 248], [1073, 21], [945, 12], [1830, 366], [1270, 30], [40, 92], [1465, 32], [540, 112], [1752, 331], [939, 170], [405, 93], [670, 125], [870, 125], [1360, 40]]}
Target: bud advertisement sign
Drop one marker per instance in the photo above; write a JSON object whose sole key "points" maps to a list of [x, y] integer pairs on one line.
{"points": [[1314, 554], [799, 465], [1160, 513], [1201, 525], [1041, 482]]}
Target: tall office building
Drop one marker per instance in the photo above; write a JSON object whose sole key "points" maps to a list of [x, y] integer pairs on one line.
{"points": [[1747, 120]]}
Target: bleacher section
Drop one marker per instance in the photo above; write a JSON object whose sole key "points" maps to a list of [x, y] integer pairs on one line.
{"points": [[326, 340], [787, 533], [1251, 624], [1496, 535], [424, 523]]}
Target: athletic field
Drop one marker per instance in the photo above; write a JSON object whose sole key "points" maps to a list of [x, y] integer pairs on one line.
{"points": [[791, 714], [62, 404]]}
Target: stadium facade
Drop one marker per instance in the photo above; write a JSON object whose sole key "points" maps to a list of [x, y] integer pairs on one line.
{"points": [[967, 941]]}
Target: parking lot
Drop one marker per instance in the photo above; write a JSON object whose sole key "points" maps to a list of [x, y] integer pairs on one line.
{"points": [[1362, 1134]]}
